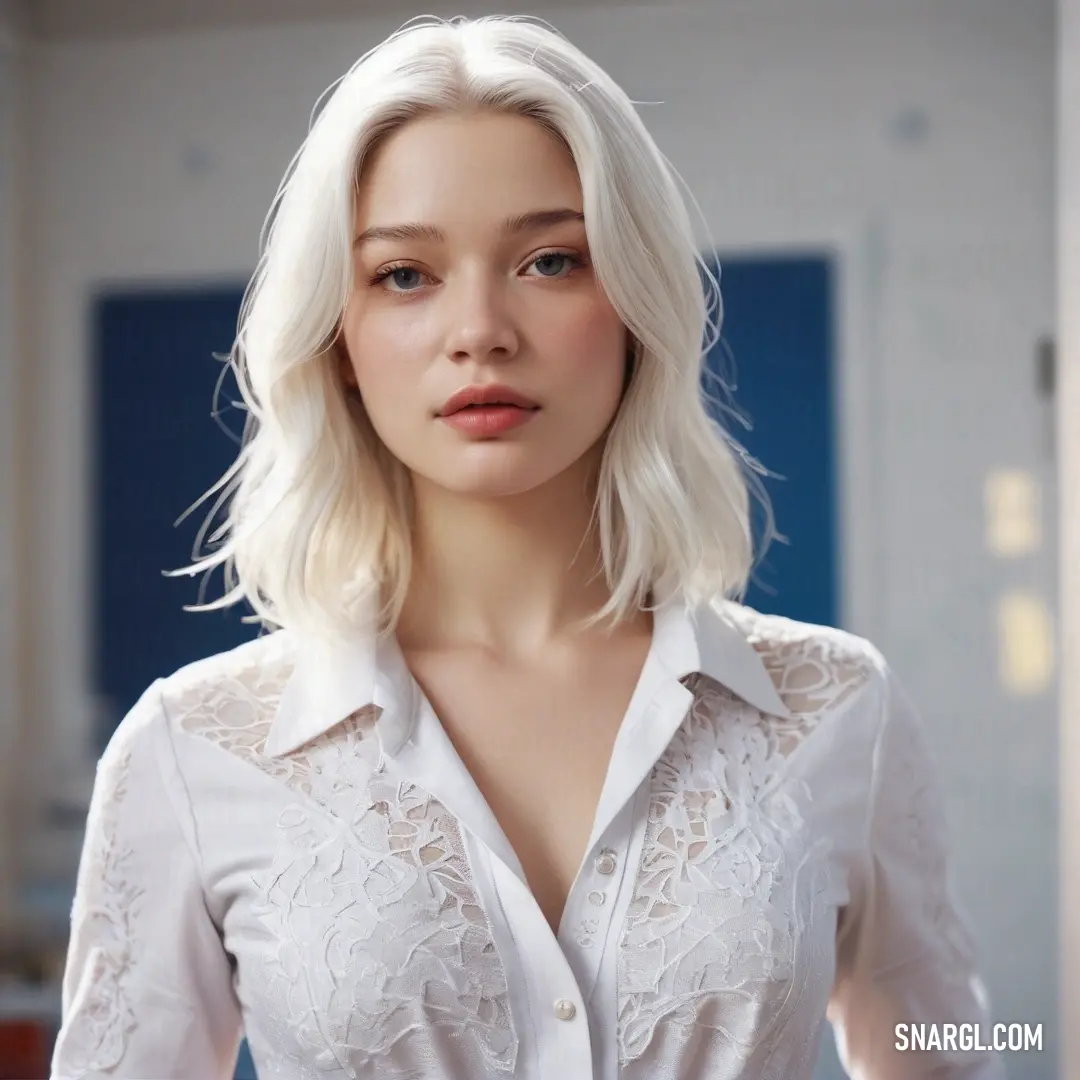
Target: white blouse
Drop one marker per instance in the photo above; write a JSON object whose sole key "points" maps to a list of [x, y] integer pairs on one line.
{"points": [[283, 843]]}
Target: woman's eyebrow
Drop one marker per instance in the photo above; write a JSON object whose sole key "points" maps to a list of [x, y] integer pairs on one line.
{"points": [[518, 223]]}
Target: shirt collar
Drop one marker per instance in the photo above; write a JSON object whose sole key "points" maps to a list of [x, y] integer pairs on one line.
{"points": [[334, 678]]}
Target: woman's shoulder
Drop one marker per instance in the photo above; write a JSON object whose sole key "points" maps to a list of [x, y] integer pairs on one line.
{"points": [[813, 666], [229, 697], [770, 632]]}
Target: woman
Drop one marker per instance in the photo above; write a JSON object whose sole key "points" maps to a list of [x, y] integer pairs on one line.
{"points": [[516, 787]]}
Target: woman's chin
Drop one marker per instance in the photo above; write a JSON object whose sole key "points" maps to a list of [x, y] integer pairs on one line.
{"points": [[489, 486], [491, 478], [498, 469]]}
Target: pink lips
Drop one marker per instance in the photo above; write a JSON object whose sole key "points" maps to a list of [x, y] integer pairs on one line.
{"points": [[493, 394], [485, 411]]}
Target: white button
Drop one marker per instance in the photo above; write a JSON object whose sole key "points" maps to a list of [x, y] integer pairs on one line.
{"points": [[605, 863], [596, 898], [565, 1009]]}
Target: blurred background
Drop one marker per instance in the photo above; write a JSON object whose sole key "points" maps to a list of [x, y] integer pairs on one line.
{"points": [[878, 180]]}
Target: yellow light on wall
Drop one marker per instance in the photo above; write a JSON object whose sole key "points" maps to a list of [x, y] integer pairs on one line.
{"points": [[1013, 523], [1025, 643]]}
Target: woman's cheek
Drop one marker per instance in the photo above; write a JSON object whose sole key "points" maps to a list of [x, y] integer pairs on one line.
{"points": [[387, 350], [595, 341]]}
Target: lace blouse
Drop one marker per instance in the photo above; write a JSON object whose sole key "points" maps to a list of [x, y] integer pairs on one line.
{"points": [[283, 843]]}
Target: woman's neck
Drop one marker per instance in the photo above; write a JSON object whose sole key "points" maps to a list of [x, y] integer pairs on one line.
{"points": [[510, 574]]}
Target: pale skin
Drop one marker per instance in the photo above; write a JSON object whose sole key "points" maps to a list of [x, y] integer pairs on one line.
{"points": [[505, 564]]}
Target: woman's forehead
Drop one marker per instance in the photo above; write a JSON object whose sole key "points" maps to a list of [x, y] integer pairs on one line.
{"points": [[443, 170]]}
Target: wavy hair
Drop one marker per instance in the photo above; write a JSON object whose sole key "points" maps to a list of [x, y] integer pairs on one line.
{"points": [[317, 529]]}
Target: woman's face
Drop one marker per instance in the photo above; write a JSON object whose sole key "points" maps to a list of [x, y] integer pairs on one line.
{"points": [[484, 281]]}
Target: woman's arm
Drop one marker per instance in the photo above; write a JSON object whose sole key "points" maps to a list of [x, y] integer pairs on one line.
{"points": [[147, 988], [905, 954]]}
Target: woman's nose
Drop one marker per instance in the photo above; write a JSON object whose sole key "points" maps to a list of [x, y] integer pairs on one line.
{"points": [[479, 322]]}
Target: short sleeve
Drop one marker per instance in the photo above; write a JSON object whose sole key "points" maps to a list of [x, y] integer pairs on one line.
{"points": [[905, 955], [147, 989]]}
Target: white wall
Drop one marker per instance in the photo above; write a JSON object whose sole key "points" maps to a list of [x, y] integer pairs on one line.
{"points": [[916, 136], [1068, 411], [12, 103]]}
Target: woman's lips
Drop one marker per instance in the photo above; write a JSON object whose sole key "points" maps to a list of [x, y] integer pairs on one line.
{"points": [[486, 394], [484, 421]]}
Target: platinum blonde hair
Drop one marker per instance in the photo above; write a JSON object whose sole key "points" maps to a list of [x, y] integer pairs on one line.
{"points": [[318, 524]]}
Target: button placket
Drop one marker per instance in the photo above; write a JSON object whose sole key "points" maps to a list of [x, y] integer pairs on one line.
{"points": [[605, 863]]}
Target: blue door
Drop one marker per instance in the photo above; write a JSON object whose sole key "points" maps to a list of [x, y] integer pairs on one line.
{"points": [[777, 343], [158, 449]]}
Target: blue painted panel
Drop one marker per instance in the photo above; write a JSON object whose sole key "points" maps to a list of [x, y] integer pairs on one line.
{"points": [[157, 451], [777, 340]]}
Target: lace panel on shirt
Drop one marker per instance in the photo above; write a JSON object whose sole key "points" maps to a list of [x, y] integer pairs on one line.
{"points": [[102, 1017], [733, 918], [380, 955], [815, 670]]}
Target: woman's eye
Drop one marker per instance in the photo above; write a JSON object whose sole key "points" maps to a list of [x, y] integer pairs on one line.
{"points": [[399, 276], [551, 262]]}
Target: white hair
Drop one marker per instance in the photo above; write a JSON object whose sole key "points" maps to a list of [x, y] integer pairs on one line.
{"points": [[318, 525]]}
